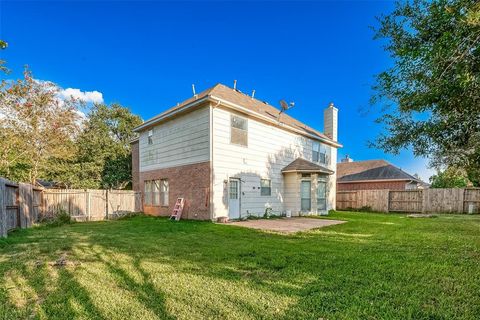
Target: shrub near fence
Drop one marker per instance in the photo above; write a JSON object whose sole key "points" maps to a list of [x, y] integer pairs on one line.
{"points": [[21, 204], [429, 200]]}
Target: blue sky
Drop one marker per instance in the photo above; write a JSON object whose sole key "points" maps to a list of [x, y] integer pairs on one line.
{"points": [[146, 55]]}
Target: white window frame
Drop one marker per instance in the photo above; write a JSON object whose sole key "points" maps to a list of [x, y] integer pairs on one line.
{"points": [[147, 191], [156, 192], [322, 181], [232, 116], [315, 151], [164, 191], [269, 188], [310, 195], [150, 137], [319, 153]]}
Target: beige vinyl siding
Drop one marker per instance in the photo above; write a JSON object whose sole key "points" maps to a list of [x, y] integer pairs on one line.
{"points": [[269, 150], [292, 192], [180, 141]]}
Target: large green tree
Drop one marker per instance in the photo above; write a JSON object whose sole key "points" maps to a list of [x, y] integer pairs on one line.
{"points": [[103, 156], [449, 178], [431, 94], [35, 126]]}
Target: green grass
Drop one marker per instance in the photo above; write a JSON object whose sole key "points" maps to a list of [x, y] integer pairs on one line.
{"points": [[376, 266]]}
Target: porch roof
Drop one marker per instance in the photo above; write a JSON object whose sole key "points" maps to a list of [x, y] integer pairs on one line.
{"points": [[305, 166]]}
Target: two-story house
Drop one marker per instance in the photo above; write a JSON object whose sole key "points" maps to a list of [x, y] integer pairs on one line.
{"points": [[228, 154]]}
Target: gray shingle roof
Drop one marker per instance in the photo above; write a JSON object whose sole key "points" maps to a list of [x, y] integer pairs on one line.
{"points": [[370, 170], [302, 165], [235, 96]]}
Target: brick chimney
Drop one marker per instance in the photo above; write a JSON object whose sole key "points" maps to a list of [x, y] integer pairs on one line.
{"points": [[330, 122]]}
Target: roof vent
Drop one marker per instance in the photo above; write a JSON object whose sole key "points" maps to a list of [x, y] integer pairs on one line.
{"points": [[193, 89]]}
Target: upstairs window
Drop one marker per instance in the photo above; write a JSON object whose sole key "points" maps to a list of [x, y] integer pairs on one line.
{"points": [[238, 130], [265, 187], [150, 136], [319, 154], [315, 151]]}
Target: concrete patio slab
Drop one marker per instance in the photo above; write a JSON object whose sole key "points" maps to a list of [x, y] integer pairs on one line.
{"points": [[286, 225]]}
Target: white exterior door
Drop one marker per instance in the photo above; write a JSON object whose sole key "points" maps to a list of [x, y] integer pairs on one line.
{"points": [[234, 199]]}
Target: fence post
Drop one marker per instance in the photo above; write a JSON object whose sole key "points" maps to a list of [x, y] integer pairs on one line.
{"points": [[25, 204], [3, 210], [425, 197], [88, 203], [106, 204], [388, 201], [461, 201]]}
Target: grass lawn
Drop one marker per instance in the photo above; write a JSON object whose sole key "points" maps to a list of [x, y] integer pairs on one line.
{"points": [[376, 266]]}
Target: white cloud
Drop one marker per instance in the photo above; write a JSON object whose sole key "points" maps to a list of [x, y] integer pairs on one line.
{"points": [[86, 96]]}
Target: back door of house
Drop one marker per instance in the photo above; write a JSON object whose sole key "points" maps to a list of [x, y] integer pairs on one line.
{"points": [[234, 199]]}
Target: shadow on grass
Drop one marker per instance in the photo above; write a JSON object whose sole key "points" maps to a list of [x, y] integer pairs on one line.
{"points": [[347, 270], [144, 290]]}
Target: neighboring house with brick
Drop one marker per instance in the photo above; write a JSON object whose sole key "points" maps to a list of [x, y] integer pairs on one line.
{"points": [[374, 174], [228, 154]]}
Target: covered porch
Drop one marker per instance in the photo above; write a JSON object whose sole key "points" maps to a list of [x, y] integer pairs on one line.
{"points": [[306, 188]]}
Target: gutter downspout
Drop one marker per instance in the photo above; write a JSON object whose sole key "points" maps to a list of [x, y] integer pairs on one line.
{"points": [[212, 203]]}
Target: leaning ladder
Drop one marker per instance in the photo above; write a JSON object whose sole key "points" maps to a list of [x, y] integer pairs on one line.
{"points": [[177, 209]]}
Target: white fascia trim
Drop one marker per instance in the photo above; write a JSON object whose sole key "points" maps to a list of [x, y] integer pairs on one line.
{"points": [[280, 124], [309, 171], [235, 107], [156, 119]]}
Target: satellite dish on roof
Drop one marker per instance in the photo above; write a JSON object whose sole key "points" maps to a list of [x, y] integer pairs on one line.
{"points": [[284, 105]]}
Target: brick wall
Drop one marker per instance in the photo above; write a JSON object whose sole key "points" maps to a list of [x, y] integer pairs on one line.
{"points": [[391, 185], [135, 166], [191, 182]]}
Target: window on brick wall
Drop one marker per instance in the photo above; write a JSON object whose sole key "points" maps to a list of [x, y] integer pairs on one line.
{"points": [[148, 193], [156, 192], [164, 192], [238, 130]]}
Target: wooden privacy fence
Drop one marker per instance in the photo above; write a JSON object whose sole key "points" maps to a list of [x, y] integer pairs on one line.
{"points": [[428, 201], [91, 205], [21, 204]]}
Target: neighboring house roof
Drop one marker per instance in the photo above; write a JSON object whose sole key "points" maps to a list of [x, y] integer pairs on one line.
{"points": [[302, 165], [370, 170], [50, 184], [243, 103]]}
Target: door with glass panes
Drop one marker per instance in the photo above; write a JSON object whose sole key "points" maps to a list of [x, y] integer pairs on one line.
{"points": [[234, 199]]}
